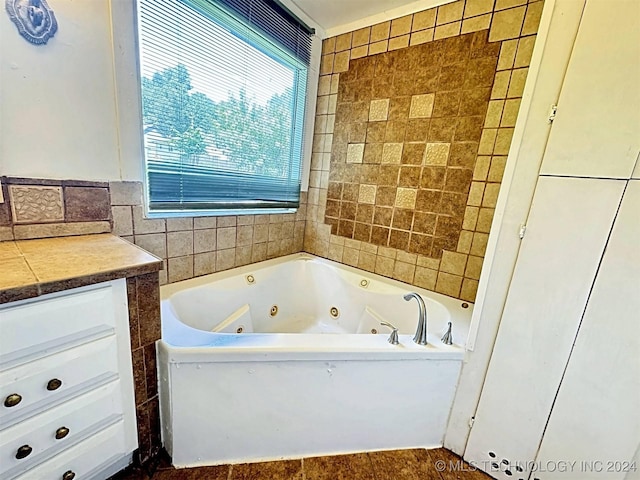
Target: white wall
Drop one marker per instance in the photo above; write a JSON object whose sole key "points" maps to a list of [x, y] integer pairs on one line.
{"points": [[58, 117]]}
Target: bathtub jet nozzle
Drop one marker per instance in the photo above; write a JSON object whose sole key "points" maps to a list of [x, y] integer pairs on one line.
{"points": [[447, 338], [421, 332]]}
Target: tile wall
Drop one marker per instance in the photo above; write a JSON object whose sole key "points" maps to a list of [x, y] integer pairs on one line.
{"points": [[413, 126], [194, 246]]}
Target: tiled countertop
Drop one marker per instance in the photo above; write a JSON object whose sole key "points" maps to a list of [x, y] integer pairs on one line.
{"points": [[29, 268]]}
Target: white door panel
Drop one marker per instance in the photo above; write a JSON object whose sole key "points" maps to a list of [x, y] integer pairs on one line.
{"points": [[596, 132], [567, 230], [595, 417]]}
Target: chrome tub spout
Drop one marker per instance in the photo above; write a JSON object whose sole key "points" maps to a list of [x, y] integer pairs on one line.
{"points": [[421, 332]]}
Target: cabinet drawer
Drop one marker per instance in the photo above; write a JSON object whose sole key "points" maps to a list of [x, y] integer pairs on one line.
{"points": [[80, 417], [85, 460], [78, 369], [39, 327]]}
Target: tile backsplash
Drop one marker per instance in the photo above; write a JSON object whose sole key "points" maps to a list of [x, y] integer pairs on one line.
{"points": [[414, 122], [40, 208]]}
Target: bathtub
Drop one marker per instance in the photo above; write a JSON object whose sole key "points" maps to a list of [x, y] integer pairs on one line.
{"points": [[287, 358]]}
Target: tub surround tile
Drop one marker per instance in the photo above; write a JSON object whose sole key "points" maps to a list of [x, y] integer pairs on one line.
{"points": [[453, 103]]}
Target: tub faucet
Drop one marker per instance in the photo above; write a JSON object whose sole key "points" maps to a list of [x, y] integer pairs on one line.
{"points": [[421, 332]]}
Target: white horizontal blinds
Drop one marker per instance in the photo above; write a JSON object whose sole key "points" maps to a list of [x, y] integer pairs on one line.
{"points": [[222, 109]]}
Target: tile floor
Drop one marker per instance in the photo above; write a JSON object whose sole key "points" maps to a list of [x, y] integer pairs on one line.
{"points": [[417, 464]]}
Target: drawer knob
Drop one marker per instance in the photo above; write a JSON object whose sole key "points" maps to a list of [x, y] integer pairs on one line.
{"points": [[62, 432], [23, 451], [12, 400], [54, 384], [68, 475]]}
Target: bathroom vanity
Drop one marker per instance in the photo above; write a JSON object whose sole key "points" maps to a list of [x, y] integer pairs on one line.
{"points": [[66, 378]]}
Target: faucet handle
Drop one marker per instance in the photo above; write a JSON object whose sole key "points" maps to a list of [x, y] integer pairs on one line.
{"points": [[447, 338], [393, 338]]}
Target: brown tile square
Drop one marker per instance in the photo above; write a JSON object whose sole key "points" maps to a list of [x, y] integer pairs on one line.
{"points": [[281, 470], [402, 219], [403, 84], [369, 173], [399, 108], [372, 153], [362, 232], [345, 228], [442, 243], [480, 46], [389, 175], [399, 239], [447, 104], [412, 153], [475, 101], [469, 129], [334, 191], [442, 129], [424, 222], [452, 76], [458, 180], [86, 204], [333, 208], [427, 82], [432, 177], [350, 192], [457, 49], [348, 211], [420, 244], [395, 131], [453, 204], [417, 130], [364, 213], [463, 154], [333, 222], [363, 68], [357, 132], [428, 200], [449, 227], [480, 72], [342, 467], [382, 216], [409, 176], [375, 132], [379, 235]]}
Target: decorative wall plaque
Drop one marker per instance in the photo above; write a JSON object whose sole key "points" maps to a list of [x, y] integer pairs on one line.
{"points": [[33, 18]]}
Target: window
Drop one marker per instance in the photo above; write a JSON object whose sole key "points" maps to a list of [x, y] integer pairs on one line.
{"points": [[223, 92]]}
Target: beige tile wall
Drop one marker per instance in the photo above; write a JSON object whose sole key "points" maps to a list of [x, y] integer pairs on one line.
{"points": [[195, 246], [512, 23]]}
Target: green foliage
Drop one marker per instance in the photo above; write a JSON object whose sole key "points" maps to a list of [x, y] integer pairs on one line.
{"points": [[253, 138]]}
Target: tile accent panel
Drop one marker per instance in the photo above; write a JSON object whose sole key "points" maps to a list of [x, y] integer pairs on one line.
{"points": [[409, 153], [43, 208]]}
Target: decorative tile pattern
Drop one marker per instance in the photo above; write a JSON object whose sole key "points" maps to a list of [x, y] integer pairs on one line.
{"points": [[473, 57], [36, 204]]}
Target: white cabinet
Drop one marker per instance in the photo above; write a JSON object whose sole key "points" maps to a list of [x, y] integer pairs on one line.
{"points": [[567, 231], [595, 421], [66, 385], [596, 132]]}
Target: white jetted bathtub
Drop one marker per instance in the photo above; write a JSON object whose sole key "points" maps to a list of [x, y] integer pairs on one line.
{"points": [[287, 358]]}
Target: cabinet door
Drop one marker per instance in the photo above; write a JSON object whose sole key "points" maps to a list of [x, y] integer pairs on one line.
{"points": [[596, 132], [567, 230], [595, 419]]}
